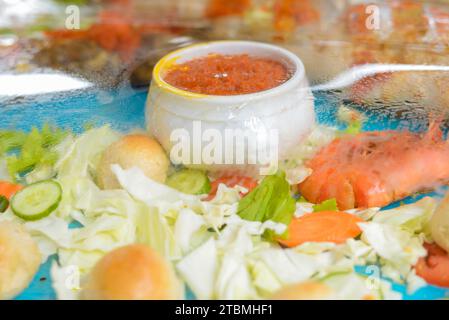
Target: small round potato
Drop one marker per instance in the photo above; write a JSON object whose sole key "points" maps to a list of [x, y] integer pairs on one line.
{"points": [[133, 272], [309, 290], [20, 259], [134, 150]]}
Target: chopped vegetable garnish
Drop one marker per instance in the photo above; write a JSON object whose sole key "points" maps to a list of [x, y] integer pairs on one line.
{"points": [[270, 200], [4, 204], [326, 205], [8, 189], [354, 127], [10, 140], [34, 148], [324, 226]]}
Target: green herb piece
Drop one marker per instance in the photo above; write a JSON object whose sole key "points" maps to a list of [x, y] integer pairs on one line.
{"points": [[75, 2], [33, 149], [326, 205], [10, 140], [354, 127]]}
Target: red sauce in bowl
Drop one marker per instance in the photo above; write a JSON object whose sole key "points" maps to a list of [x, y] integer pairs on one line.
{"points": [[225, 75]]}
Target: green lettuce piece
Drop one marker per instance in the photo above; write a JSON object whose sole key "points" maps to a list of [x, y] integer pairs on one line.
{"points": [[52, 136], [270, 200], [33, 149], [301, 199], [75, 2], [354, 127], [326, 205], [10, 140]]}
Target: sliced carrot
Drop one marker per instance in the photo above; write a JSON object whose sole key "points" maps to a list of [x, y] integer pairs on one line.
{"points": [[232, 181], [435, 267], [8, 189], [324, 226]]}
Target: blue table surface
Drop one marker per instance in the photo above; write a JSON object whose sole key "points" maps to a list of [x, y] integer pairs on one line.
{"points": [[123, 109]]}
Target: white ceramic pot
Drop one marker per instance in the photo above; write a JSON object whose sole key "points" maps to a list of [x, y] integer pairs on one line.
{"points": [[273, 122]]}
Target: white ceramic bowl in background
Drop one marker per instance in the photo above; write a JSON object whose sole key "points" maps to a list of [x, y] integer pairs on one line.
{"points": [[288, 109]]}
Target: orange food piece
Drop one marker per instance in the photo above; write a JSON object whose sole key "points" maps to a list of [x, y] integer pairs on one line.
{"points": [[222, 8], [373, 169], [114, 33], [232, 181], [435, 267], [291, 13], [66, 34], [8, 189], [120, 37], [324, 226], [218, 74], [409, 20], [356, 18]]}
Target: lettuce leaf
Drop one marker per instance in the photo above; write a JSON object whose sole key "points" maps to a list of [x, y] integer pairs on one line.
{"points": [[270, 200]]}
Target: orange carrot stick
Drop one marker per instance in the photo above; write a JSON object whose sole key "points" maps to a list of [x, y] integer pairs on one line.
{"points": [[8, 189], [324, 226]]}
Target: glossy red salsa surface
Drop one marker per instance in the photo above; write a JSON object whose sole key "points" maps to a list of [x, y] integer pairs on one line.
{"points": [[224, 75]]}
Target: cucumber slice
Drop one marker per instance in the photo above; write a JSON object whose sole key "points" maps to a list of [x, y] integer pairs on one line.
{"points": [[37, 200], [190, 181]]}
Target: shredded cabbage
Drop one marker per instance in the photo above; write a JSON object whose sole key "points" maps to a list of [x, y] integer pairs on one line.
{"points": [[399, 250], [352, 286], [413, 218]]}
